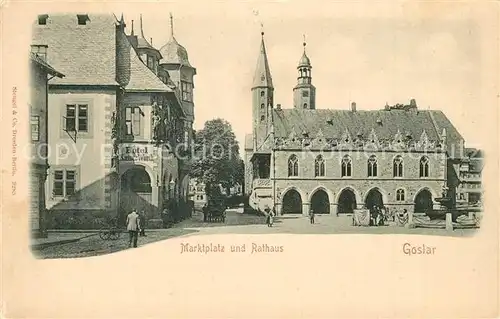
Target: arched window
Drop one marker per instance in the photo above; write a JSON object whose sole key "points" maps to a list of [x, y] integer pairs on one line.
{"points": [[262, 118], [319, 166], [424, 166], [262, 106], [346, 166], [293, 166], [397, 168], [262, 93], [400, 195], [305, 105], [372, 166]]}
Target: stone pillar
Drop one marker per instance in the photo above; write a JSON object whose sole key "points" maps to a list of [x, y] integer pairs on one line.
{"points": [[449, 225], [333, 209], [409, 224], [154, 195], [305, 208], [278, 209]]}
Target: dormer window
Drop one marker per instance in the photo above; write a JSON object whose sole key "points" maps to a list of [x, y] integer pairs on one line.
{"points": [[151, 62], [82, 19], [42, 19], [40, 51]]}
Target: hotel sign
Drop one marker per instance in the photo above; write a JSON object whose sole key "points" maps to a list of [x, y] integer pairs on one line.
{"points": [[138, 152]]}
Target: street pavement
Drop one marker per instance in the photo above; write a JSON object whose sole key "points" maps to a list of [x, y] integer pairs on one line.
{"points": [[239, 223], [236, 223]]}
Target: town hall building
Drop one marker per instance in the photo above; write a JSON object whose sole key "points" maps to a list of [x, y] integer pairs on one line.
{"points": [[334, 161]]}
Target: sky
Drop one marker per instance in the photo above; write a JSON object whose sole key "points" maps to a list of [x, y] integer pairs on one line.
{"points": [[355, 57]]}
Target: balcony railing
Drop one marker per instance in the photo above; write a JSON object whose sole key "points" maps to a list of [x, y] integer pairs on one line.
{"points": [[261, 183]]}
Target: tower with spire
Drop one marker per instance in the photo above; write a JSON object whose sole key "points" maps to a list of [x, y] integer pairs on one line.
{"points": [[176, 62], [148, 54], [262, 95], [304, 93]]}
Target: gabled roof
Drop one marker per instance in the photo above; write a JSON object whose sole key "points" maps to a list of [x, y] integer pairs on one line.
{"points": [[84, 53], [141, 77], [50, 70], [384, 123]]}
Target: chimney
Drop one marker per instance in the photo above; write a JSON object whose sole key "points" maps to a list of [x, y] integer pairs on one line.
{"points": [[353, 106], [413, 103]]}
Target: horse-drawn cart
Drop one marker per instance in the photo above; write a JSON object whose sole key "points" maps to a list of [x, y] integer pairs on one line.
{"points": [[215, 210]]}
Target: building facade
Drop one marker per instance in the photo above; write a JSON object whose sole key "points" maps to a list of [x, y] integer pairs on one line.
{"points": [[40, 74], [470, 189], [335, 161], [198, 195], [115, 121]]}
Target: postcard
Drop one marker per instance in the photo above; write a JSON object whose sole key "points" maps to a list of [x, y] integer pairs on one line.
{"points": [[249, 159]]}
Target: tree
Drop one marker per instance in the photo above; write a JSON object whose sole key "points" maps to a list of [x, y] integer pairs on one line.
{"points": [[217, 160]]}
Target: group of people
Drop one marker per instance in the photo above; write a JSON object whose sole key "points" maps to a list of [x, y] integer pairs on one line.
{"points": [[270, 213], [377, 216], [270, 216], [136, 224]]}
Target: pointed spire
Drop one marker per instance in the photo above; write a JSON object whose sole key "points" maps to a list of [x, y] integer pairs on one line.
{"points": [[121, 19], [132, 32], [142, 32], [262, 77]]}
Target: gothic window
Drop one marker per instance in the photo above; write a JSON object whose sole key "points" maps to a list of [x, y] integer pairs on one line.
{"points": [[305, 105], [262, 93], [397, 169], [319, 166], [293, 166], [262, 118], [400, 195], [346, 166], [424, 166], [372, 166], [262, 106]]}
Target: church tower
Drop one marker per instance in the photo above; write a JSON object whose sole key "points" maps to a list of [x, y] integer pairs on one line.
{"points": [[304, 93], [262, 96]]}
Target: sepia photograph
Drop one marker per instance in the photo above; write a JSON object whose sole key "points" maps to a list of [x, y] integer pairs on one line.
{"points": [[120, 162], [206, 146]]}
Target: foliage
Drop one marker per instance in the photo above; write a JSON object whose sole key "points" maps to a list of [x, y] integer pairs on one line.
{"points": [[217, 159]]}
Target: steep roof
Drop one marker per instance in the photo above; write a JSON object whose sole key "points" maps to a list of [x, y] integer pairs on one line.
{"points": [[262, 76], [385, 123], [84, 53], [141, 77]]}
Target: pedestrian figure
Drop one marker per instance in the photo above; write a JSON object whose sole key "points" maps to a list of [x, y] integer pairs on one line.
{"points": [[271, 218], [142, 222], [268, 216], [205, 212], [133, 227], [311, 215]]}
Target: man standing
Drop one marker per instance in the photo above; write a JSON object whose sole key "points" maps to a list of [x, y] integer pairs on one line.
{"points": [[133, 227], [311, 215]]}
